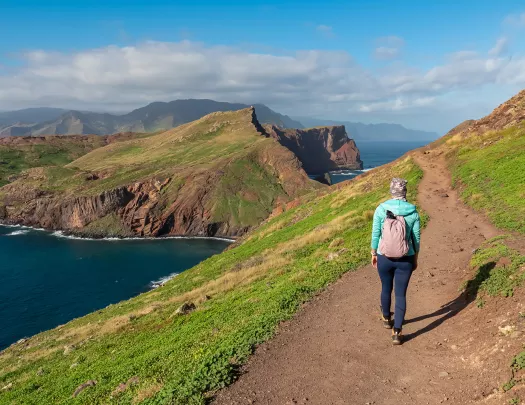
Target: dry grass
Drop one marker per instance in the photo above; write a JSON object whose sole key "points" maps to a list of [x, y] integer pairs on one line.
{"points": [[147, 392], [320, 234], [455, 139], [343, 196], [39, 353], [274, 227], [233, 279]]}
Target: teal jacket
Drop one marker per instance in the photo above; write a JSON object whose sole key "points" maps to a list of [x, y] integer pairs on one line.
{"points": [[398, 207]]}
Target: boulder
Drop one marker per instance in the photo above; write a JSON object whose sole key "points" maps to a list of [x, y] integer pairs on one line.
{"points": [[185, 308]]}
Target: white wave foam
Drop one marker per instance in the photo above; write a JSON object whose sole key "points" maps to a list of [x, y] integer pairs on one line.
{"points": [[163, 280], [351, 172], [22, 227], [61, 234], [20, 232]]}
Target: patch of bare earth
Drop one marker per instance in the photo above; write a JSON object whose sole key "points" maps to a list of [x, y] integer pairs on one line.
{"points": [[335, 351]]}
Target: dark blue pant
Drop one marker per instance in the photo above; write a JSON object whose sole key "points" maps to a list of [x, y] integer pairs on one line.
{"points": [[395, 274]]}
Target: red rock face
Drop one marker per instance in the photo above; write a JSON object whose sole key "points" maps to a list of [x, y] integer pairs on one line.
{"points": [[320, 150]]}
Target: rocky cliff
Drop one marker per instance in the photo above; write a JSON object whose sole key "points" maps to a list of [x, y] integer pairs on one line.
{"points": [[218, 176], [321, 149], [508, 114]]}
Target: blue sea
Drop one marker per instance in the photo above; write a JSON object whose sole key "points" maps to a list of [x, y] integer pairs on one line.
{"points": [[374, 154], [47, 279]]}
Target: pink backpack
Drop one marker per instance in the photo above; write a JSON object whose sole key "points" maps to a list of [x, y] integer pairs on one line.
{"points": [[394, 243]]}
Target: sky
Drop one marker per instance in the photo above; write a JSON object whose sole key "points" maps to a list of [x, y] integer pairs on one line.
{"points": [[423, 64]]}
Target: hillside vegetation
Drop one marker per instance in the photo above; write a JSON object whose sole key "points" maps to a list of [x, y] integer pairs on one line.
{"points": [[486, 168], [51, 151], [217, 176], [21, 153], [487, 158], [145, 351]]}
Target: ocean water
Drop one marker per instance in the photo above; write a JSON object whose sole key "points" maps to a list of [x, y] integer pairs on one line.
{"points": [[375, 154], [47, 279]]}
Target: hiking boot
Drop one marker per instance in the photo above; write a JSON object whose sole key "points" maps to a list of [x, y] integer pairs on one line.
{"points": [[387, 321], [397, 337]]}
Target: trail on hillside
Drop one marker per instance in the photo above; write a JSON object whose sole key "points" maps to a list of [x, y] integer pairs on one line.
{"points": [[335, 351]]}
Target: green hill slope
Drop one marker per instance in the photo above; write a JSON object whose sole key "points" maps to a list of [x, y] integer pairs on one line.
{"points": [[21, 153], [143, 351], [487, 160], [219, 175]]}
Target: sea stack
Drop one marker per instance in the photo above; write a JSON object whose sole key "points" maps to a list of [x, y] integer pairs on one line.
{"points": [[320, 149]]}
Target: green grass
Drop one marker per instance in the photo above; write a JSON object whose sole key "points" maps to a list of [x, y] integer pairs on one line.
{"points": [[108, 226], [241, 296], [499, 270], [246, 193], [55, 151], [488, 169], [204, 144]]}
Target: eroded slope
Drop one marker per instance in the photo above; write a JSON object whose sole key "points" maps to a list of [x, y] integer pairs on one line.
{"points": [[217, 176]]}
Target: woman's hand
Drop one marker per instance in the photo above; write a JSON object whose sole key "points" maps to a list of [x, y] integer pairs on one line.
{"points": [[374, 261]]}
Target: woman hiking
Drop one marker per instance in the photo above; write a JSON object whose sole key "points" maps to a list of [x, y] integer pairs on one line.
{"points": [[395, 248]]}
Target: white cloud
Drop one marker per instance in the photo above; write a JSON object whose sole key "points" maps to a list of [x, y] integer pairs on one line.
{"points": [[383, 52], [389, 47], [397, 105], [325, 30], [500, 48], [328, 83], [515, 20]]}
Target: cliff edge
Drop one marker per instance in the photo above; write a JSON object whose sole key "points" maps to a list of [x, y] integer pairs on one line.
{"points": [[320, 149]]}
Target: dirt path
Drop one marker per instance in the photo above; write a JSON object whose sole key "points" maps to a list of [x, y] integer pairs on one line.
{"points": [[335, 350]]}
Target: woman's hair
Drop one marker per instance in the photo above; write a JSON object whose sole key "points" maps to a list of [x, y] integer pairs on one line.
{"points": [[398, 188]]}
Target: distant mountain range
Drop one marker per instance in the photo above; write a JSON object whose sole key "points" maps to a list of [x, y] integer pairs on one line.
{"points": [[161, 115], [30, 115], [374, 132], [153, 117]]}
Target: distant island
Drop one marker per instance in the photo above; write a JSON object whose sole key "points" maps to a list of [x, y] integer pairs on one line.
{"points": [[374, 132]]}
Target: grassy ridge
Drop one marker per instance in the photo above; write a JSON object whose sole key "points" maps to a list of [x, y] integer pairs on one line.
{"points": [[27, 153], [241, 295], [213, 140], [15, 158], [488, 168]]}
